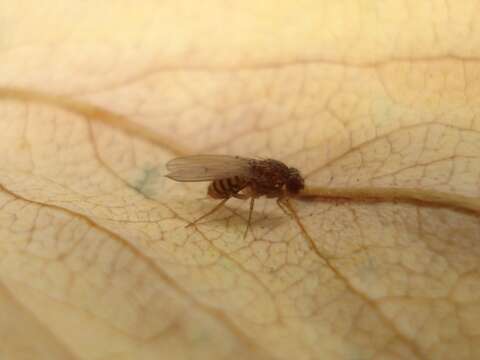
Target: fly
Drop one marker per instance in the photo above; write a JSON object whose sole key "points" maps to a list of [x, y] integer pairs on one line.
{"points": [[237, 177]]}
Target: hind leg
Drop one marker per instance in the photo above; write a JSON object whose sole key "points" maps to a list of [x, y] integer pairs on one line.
{"points": [[218, 206]]}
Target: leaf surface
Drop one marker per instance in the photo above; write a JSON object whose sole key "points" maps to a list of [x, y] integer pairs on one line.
{"points": [[376, 103]]}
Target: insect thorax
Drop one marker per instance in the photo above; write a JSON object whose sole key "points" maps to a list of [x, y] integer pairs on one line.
{"points": [[268, 177]]}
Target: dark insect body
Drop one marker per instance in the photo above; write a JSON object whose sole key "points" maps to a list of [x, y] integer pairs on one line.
{"points": [[225, 188], [238, 177]]}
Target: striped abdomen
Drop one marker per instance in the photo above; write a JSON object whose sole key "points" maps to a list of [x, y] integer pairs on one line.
{"points": [[225, 188]]}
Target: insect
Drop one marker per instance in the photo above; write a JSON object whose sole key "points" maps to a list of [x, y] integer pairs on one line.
{"points": [[237, 177]]}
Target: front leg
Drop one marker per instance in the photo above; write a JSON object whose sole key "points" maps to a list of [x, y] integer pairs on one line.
{"points": [[281, 204]]}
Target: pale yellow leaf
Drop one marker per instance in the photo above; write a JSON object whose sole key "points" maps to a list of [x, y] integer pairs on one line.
{"points": [[377, 103]]}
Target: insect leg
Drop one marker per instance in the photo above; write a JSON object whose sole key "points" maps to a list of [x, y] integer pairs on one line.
{"points": [[282, 206], [252, 201], [218, 206], [240, 196]]}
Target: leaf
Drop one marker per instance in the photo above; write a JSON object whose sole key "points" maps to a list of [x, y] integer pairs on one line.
{"points": [[376, 104]]}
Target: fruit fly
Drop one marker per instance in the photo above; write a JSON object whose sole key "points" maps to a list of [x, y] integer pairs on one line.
{"points": [[237, 177]]}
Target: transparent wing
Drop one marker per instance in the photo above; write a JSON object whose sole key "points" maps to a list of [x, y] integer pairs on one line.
{"points": [[207, 167]]}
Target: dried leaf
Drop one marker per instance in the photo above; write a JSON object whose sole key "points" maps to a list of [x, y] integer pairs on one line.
{"points": [[366, 99]]}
